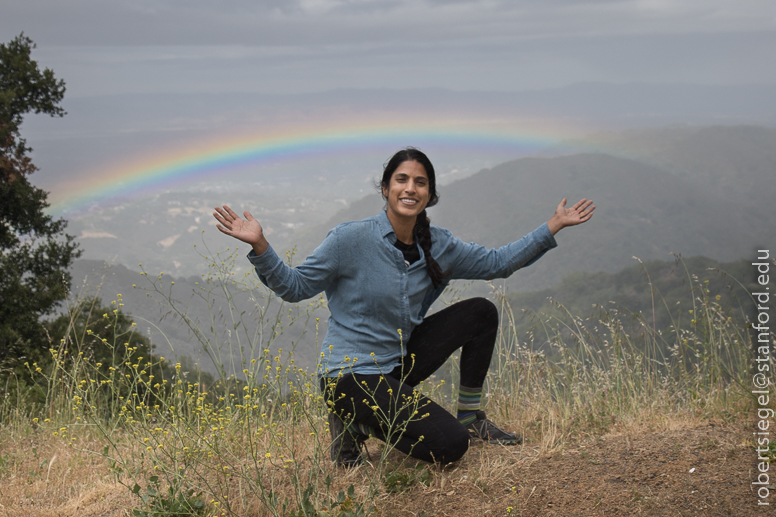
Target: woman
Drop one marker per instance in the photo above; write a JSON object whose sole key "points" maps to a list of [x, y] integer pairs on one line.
{"points": [[380, 276]]}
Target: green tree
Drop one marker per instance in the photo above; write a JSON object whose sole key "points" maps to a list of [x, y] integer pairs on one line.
{"points": [[35, 252], [106, 338], [100, 334], [94, 343]]}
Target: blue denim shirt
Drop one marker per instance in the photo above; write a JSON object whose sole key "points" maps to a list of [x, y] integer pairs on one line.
{"points": [[375, 300]]}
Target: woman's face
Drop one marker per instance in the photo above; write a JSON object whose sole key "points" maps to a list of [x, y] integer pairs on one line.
{"points": [[408, 191]]}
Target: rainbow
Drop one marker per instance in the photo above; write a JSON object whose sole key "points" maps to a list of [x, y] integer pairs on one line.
{"points": [[197, 163]]}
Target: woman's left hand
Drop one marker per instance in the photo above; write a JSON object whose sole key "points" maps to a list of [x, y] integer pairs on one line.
{"points": [[581, 212]]}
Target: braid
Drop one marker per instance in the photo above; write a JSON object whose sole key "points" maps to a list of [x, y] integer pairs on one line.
{"points": [[422, 228], [423, 234]]}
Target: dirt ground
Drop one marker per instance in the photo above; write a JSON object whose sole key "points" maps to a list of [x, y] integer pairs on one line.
{"points": [[703, 470]]}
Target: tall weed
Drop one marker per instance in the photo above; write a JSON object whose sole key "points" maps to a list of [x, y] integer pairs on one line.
{"points": [[253, 438]]}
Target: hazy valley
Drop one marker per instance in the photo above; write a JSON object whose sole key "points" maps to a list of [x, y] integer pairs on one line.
{"points": [[678, 190]]}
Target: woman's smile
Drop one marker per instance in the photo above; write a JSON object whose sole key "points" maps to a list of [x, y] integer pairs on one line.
{"points": [[408, 191]]}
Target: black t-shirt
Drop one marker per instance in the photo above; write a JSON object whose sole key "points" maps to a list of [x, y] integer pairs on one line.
{"points": [[410, 251]]}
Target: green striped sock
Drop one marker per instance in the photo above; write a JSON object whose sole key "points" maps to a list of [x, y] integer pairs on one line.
{"points": [[357, 428], [468, 404]]}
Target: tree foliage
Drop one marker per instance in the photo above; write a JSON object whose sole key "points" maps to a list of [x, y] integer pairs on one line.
{"points": [[656, 295], [35, 252], [101, 334], [90, 342]]}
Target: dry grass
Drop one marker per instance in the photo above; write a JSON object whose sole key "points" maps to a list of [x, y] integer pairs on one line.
{"points": [[79, 484], [247, 455], [44, 475]]}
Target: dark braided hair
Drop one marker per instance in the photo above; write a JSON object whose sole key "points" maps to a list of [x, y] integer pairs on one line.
{"points": [[422, 228]]}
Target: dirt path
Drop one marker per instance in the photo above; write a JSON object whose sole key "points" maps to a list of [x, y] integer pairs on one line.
{"points": [[706, 471]]}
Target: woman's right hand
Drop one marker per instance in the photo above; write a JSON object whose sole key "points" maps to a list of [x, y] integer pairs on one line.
{"points": [[247, 230]]}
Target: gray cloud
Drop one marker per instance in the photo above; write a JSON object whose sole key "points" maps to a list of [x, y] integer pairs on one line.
{"points": [[304, 22], [126, 62], [486, 64], [271, 46]]}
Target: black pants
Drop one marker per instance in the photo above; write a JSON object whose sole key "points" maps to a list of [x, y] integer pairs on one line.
{"points": [[400, 415]]}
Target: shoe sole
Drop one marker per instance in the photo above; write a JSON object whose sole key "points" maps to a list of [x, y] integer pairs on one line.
{"points": [[477, 439]]}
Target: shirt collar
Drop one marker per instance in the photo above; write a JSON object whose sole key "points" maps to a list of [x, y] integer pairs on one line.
{"points": [[384, 223]]}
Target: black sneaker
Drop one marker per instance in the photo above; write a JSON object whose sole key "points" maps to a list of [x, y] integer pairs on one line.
{"points": [[345, 448], [488, 432]]}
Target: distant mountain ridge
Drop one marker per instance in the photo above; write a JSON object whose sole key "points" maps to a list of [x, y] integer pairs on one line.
{"points": [[682, 189], [691, 205], [662, 293], [582, 294], [202, 299], [738, 159]]}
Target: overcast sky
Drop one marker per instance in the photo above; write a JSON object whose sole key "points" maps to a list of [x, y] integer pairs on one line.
{"points": [[280, 46], [109, 50]]}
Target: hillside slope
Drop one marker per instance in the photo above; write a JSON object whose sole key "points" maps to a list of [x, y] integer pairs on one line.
{"points": [[738, 160], [642, 211]]}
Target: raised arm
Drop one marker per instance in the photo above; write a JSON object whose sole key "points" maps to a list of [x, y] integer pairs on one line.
{"points": [[292, 284], [581, 212], [247, 230], [474, 262]]}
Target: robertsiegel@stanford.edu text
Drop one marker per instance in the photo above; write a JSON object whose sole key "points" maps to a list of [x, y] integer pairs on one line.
{"points": [[761, 379]]}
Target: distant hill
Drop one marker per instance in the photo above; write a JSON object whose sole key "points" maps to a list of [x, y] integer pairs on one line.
{"points": [[738, 160], [227, 315], [583, 295], [691, 190], [643, 211], [628, 295]]}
